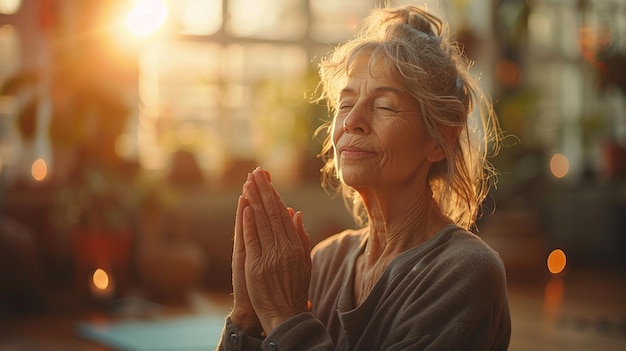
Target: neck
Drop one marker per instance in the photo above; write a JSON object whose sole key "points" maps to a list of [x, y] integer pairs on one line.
{"points": [[402, 223]]}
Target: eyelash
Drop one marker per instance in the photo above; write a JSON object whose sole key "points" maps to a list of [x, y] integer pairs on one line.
{"points": [[386, 108], [346, 106]]}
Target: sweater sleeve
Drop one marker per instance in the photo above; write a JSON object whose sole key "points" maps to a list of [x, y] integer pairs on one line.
{"points": [[233, 339], [300, 333]]}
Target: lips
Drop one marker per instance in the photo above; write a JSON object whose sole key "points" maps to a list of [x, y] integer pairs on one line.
{"points": [[354, 152]]}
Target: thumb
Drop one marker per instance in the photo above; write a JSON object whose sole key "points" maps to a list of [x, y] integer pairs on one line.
{"points": [[305, 239]]}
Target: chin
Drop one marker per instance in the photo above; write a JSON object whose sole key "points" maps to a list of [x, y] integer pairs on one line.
{"points": [[354, 178]]}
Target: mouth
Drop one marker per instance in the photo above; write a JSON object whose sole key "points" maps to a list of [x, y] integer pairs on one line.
{"points": [[354, 152]]}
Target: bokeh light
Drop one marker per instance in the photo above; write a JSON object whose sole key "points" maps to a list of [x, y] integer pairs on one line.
{"points": [[508, 73], [9, 7], [100, 279], [559, 165], [146, 17], [556, 261], [39, 170]]}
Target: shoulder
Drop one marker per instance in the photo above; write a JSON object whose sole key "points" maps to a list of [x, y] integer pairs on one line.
{"points": [[340, 243], [464, 256], [336, 250], [472, 248]]}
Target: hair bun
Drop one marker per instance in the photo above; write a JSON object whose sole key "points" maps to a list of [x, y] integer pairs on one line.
{"points": [[419, 22]]}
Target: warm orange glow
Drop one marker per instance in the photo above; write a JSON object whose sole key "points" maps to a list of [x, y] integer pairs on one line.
{"points": [[556, 261], [123, 145], [39, 170], [592, 40], [559, 165], [100, 279], [553, 298], [508, 73], [9, 7], [146, 17]]}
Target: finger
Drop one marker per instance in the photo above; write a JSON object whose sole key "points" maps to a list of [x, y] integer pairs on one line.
{"points": [[251, 241], [271, 200], [238, 245], [263, 224], [278, 214], [304, 237], [272, 188], [267, 174], [273, 221]]}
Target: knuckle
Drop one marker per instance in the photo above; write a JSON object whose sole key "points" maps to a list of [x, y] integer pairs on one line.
{"points": [[274, 214]]}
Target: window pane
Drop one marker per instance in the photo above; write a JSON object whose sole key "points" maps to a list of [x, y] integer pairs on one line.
{"points": [[257, 62], [270, 78], [197, 17], [335, 21], [269, 19], [9, 66], [180, 98]]}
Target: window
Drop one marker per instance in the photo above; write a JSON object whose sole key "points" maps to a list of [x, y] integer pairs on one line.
{"points": [[229, 83], [267, 19]]}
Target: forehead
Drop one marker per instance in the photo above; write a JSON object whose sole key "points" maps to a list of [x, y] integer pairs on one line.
{"points": [[371, 67]]}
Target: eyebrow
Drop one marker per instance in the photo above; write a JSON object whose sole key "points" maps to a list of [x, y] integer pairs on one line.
{"points": [[378, 90]]}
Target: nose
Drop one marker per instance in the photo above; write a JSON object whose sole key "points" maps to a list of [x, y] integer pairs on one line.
{"points": [[356, 121]]}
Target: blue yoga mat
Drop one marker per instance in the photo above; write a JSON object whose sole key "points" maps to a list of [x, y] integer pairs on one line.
{"points": [[186, 333]]}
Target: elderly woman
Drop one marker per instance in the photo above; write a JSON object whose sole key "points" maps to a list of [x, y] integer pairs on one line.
{"points": [[412, 166]]}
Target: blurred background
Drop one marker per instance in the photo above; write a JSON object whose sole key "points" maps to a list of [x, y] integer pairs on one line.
{"points": [[127, 128]]}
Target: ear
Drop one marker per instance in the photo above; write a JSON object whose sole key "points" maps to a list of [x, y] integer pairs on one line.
{"points": [[438, 151]]}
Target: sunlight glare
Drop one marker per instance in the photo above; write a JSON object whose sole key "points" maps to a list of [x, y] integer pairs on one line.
{"points": [[146, 17], [9, 7]]}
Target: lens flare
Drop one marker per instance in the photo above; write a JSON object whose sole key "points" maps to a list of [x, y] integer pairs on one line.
{"points": [[146, 17]]}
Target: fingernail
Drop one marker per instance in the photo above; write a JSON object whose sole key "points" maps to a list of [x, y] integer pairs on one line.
{"points": [[299, 215]]}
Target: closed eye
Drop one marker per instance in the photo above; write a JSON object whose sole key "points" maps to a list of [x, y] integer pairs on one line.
{"points": [[386, 109], [345, 107]]}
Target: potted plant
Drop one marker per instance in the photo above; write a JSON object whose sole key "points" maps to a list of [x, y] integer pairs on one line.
{"points": [[96, 213]]}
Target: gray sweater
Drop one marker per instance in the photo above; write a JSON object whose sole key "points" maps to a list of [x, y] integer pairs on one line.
{"points": [[446, 294]]}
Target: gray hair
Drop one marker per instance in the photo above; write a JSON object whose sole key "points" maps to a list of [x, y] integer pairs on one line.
{"points": [[415, 47]]}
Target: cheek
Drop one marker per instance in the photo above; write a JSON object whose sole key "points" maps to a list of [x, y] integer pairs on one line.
{"points": [[407, 142], [336, 131]]}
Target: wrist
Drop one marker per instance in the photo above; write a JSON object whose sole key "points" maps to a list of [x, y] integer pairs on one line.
{"points": [[271, 323], [247, 323]]}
